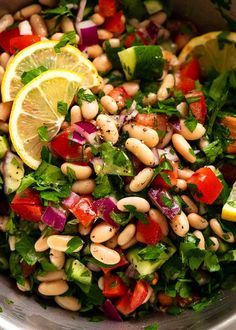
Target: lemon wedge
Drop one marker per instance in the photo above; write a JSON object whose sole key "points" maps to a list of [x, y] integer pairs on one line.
{"points": [[215, 51], [36, 106], [229, 208], [43, 54]]}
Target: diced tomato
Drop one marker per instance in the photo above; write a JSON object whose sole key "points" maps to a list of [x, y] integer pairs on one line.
{"points": [[185, 85], [5, 38], [150, 232], [123, 262], [191, 69], [83, 210], [115, 23], [134, 38], [123, 304], [113, 286], [21, 42], [27, 205], [107, 8], [159, 181], [119, 95], [62, 146], [156, 121], [198, 108], [27, 270], [205, 185]]}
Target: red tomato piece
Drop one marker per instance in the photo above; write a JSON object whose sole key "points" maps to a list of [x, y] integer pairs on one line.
{"points": [[123, 304], [205, 185], [113, 286], [139, 295], [5, 38], [172, 175], [28, 196], [83, 210], [185, 85], [198, 108], [191, 69], [62, 146], [119, 95], [150, 232], [123, 262], [134, 38], [115, 23], [107, 8], [21, 42], [156, 121]]}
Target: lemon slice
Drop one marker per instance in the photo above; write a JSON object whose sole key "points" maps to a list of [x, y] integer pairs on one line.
{"points": [[43, 54], [229, 208], [35, 106], [211, 56]]}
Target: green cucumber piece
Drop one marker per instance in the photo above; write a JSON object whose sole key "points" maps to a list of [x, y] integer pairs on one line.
{"points": [[153, 6]]}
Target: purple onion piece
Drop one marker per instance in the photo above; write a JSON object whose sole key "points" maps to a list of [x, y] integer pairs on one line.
{"points": [[110, 311], [87, 130], [175, 123], [156, 155], [165, 202], [80, 14], [104, 207], [152, 31], [70, 201], [88, 32], [131, 271], [54, 218], [76, 137]]}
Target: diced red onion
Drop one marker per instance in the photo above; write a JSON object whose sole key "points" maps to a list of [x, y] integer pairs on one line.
{"points": [[70, 201], [92, 267], [76, 137], [158, 196], [175, 123], [104, 207], [54, 218], [169, 153], [80, 13], [88, 131], [131, 271], [110, 311], [156, 155], [152, 31], [88, 32]]}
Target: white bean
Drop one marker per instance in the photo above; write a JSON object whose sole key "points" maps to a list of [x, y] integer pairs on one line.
{"points": [[159, 217], [107, 89], [217, 229], [131, 87], [67, 24], [141, 180], [199, 235], [196, 134], [4, 59], [102, 64], [27, 12], [52, 276], [139, 203], [48, 3], [150, 291], [196, 221], [24, 287], [114, 42], [57, 258], [143, 133], [60, 242], [68, 302], [84, 187], [81, 172], [183, 147], [6, 21], [41, 244], [167, 84], [215, 244], [94, 51], [109, 104], [25, 28], [101, 283], [104, 254], [132, 242], [102, 232], [12, 242], [75, 114], [108, 128], [149, 99], [182, 107], [89, 109], [97, 19], [3, 223], [38, 25], [185, 173], [166, 139], [159, 18], [180, 224], [141, 151], [104, 34], [191, 206], [127, 234], [53, 288], [181, 185], [112, 242]]}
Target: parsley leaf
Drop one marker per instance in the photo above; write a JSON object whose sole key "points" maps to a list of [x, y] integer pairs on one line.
{"points": [[82, 95], [62, 108], [139, 215], [27, 76], [58, 12], [154, 326], [152, 252], [68, 38], [74, 244], [191, 123], [213, 150], [25, 248], [43, 133]]}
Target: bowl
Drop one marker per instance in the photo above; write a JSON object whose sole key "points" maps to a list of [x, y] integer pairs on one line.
{"points": [[20, 312]]}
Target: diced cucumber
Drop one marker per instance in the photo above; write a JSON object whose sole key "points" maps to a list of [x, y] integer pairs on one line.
{"points": [[3, 146], [146, 267], [153, 6], [142, 62], [12, 171], [223, 247], [78, 272]]}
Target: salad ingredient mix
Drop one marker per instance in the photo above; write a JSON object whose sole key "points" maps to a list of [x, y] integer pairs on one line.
{"points": [[117, 157]]}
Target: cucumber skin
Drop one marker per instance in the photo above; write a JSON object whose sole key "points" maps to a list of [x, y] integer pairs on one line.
{"points": [[153, 6]]}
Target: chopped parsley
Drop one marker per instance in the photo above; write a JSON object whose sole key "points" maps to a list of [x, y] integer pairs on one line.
{"points": [[27, 76], [62, 108], [68, 38]]}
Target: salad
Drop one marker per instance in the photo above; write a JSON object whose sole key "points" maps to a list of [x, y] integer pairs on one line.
{"points": [[117, 157]]}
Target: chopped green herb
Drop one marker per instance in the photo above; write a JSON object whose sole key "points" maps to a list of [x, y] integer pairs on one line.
{"points": [[82, 95], [152, 252], [27, 76], [68, 38], [71, 174], [74, 244], [43, 133], [62, 108], [154, 326], [191, 123]]}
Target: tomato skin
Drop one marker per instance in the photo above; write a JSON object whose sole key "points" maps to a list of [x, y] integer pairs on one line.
{"points": [[21, 42], [62, 146], [123, 262], [27, 205], [123, 304], [119, 95], [133, 37], [6, 36], [172, 175], [115, 23], [149, 233], [27, 270], [185, 85], [207, 184], [107, 8], [198, 108], [153, 120], [83, 210], [113, 286], [191, 69]]}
